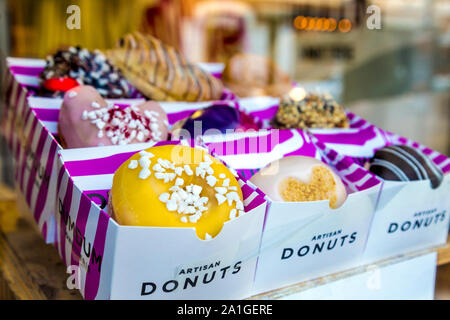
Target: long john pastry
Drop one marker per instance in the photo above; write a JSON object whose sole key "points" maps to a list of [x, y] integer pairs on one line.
{"points": [[160, 72]]}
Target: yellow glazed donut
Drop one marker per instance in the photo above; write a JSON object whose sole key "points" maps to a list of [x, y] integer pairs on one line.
{"points": [[175, 186]]}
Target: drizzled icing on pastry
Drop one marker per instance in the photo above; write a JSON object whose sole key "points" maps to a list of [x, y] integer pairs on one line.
{"points": [[403, 163]]}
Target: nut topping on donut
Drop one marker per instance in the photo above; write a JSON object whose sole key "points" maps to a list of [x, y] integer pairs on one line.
{"points": [[123, 125]]}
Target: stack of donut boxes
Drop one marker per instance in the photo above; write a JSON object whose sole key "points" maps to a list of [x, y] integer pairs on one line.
{"points": [[275, 244]]}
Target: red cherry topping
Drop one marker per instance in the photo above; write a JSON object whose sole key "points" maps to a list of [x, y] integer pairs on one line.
{"points": [[60, 84]]}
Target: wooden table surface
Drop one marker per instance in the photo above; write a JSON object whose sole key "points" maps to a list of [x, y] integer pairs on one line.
{"points": [[33, 270], [30, 269]]}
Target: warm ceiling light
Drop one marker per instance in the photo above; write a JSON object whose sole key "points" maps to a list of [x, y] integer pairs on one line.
{"points": [[319, 24], [326, 25], [297, 93], [304, 23], [311, 23], [298, 22], [333, 25], [345, 25]]}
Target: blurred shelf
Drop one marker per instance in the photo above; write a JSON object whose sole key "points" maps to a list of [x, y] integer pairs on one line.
{"points": [[443, 258], [441, 83]]}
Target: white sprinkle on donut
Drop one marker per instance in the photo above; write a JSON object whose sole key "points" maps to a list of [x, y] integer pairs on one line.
{"points": [[221, 190], [179, 182], [233, 214], [188, 170], [145, 173], [133, 164], [157, 167], [163, 197], [211, 180], [144, 153], [144, 162], [171, 205], [220, 198], [95, 104]]}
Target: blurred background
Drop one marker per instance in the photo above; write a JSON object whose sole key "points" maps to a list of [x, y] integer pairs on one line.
{"points": [[386, 60]]}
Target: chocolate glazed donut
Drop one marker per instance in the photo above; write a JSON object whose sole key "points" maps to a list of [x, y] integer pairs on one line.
{"points": [[403, 163]]}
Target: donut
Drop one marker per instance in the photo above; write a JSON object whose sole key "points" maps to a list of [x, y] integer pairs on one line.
{"points": [[175, 186], [299, 178], [87, 120], [403, 163], [302, 110], [76, 66]]}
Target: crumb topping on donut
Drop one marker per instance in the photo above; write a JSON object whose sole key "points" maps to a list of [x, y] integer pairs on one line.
{"points": [[322, 186], [188, 200], [121, 126], [87, 68]]}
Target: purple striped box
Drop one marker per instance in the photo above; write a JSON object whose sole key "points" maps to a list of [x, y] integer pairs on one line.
{"points": [[249, 151], [34, 149], [121, 262], [409, 215]]}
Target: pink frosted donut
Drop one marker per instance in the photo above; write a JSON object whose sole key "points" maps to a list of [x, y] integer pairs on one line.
{"points": [[87, 120]]}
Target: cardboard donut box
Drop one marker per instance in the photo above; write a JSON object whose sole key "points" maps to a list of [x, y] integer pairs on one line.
{"points": [[273, 245]]}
